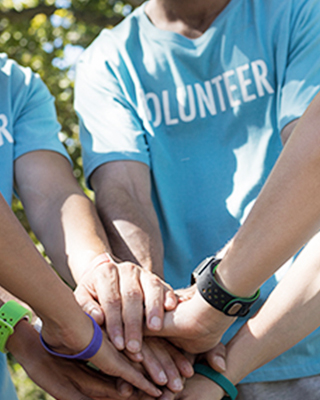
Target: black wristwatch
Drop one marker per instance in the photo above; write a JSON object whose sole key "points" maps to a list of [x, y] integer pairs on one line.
{"points": [[216, 295]]}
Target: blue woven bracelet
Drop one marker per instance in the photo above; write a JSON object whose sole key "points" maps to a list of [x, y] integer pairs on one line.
{"points": [[88, 352], [219, 379]]}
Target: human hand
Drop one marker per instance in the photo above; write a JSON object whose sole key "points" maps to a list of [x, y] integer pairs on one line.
{"points": [[216, 359], [198, 387], [164, 363], [61, 378], [116, 294], [194, 325], [106, 358]]}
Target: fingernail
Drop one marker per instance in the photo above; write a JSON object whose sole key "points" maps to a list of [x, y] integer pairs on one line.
{"points": [[119, 342], [177, 384], [133, 346], [187, 370], [220, 362], [95, 313], [170, 302], [155, 323], [139, 357], [163, 377]]}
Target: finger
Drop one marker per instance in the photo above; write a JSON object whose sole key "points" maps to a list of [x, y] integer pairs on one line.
{"points": [[135, 357], [124, 388], [170, 299], [95, 384], [153, 291], [132, 306], [160, 350], [111, 362], [108, 291], [168, 395], [89, 304], [153, 366], [181, 361], [185, 294], [62, 387], [217, 358]]}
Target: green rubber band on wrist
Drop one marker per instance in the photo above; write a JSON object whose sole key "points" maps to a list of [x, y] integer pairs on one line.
{"points": [[10, 314], [219, 379]]}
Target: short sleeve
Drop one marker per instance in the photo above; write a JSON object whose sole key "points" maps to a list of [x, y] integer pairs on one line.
{"points": [[110, 128], [302, 77], [35, 120]]}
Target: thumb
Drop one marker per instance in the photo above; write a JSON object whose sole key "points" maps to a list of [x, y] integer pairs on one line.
{"points": [[168, 329], [89, 304], [217, 358]]}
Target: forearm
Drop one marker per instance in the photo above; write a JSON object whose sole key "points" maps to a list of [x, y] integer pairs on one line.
{"points": [[134, 236], [289, 315], [59, 213], [128, 216], [285, 216], [23, 273], [75, 239]]}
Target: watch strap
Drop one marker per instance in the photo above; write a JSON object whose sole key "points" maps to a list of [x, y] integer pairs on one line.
{"points": [[219, 379], [10, 314], [216, 295]]}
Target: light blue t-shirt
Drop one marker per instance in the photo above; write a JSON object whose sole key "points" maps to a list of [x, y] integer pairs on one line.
{"points": [[205, 115], [27, 123]]}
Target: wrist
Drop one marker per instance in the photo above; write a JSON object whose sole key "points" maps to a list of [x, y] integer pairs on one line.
{"points": [[11, 313], [226, 386], [214, 320], [214, 292], [236, 274], [68, 336], [17, 342]]}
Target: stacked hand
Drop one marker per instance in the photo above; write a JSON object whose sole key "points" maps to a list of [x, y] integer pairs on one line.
{"points": [[120, 296]]}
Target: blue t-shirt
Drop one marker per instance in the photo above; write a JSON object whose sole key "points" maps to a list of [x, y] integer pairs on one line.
{"points": [[27, 123], [205, 115]]}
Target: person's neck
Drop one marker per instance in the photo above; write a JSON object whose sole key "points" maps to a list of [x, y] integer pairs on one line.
{"points": [[188, 17]]}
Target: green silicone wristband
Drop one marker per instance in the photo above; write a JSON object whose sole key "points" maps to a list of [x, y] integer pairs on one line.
{"points": [[10, 314], [219, 379]]}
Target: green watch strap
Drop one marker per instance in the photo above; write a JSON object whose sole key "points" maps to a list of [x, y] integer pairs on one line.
{"points": [[10, 314], [219, 379]]}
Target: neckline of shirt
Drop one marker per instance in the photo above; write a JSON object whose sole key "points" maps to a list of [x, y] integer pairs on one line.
{"points": [[161, 34]]}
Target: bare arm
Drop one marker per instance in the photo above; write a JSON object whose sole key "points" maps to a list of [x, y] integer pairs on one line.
{"points": [[289, 315], [66, 222], [123, 199], [66, 328], [59, 213], [275, 328], [286, 214]]}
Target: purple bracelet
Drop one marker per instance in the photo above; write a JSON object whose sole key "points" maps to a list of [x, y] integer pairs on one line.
{"points": [[88, 352]]}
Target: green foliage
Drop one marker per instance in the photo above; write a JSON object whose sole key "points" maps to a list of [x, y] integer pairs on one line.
{"points": [[47, 35]]}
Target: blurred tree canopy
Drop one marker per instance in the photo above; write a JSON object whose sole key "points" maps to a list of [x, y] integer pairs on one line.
{"points": [[48, 36]]}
